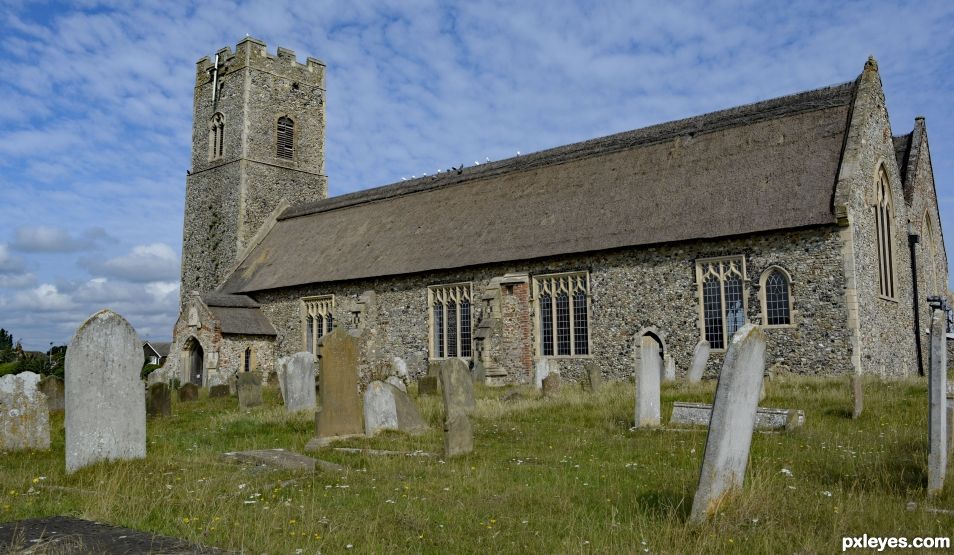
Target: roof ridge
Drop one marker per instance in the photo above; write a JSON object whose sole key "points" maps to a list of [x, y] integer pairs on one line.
{"points": [[797, 103]]}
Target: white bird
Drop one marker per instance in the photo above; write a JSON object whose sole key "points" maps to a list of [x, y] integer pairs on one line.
{"points": [[476, 163], [518, 153], [487, 159], [403, 179]]}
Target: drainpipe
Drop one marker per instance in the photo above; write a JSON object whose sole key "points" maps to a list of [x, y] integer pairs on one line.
{"points": [[913, 239]]}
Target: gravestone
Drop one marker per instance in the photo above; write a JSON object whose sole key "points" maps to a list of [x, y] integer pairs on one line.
{"points": [[399, 368], [388, 408], [699, 414], [551, 384], [733, 421], [397, 382], [249, 388], [298, 381], [950, 426], [340, 411], [159, 400], [858, 395], [937, 392], [280, 459], [594, 378], [219, 391], [459, 404], [52, 387], [647, 383], [24, 414], [700, 357], [540, 371], [427, 385], [273, 379], [105, 405], [669, 372], [188, 392]]}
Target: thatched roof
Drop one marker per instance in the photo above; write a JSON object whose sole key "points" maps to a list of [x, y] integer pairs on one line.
{"points": [[242, 321], [765, 166]]}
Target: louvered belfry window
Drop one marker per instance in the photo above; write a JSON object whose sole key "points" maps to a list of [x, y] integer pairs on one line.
{"points": [[450, 320], [319, 319], [562, 304], [216, 136], [286, 138], [722, 296]]}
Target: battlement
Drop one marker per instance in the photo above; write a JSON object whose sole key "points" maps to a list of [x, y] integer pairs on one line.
{"points": [[251, 52]]}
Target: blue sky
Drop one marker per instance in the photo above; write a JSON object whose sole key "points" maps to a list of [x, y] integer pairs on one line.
{"points": [[95, 108]]}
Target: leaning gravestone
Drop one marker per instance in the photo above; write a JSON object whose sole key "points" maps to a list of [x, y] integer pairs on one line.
{"points": [[219, 391], [159, 400], [52, 387], [24, 414], [249, 389], [459, 404], [937, 386], [388, 408], [188, 392], [700, 357], [105, 405], [551, 384], [647, 383], [297, 378], [340, 411], [732, 423]]}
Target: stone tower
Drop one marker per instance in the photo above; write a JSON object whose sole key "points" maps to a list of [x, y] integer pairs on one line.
{"points": [[257, 140]]}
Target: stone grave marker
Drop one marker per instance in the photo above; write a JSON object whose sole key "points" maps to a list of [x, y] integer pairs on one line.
{"points": [[858, 395], [388, 408], [458, 394], [551, 384], [647, 383], [937, 392], [298, 381], [733, 421], [593, 376], [249, 389], [700, 357], [669, 371], [105, 405], [540, 371], [950, 426], [427, 385], [188, 392], [280, 459], [159, 400], [399, 368], [699, 414], [340, 411], [397, 382], [52, 387], [219, 391], [24, 414]]}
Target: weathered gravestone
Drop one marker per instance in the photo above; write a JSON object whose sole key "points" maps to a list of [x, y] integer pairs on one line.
{"points": [[459, 404], [593, 376], [858, 395], [647, 383], [950, 426], [669, 371], [551, 384], [399, 367], [297, 379], [52, 387], [24, 414], [699, 414], [219, 391], [159, 400], [937, 391], [700, 357], [105, 405], [540, 371], [249, 387], [388, 408], [397, 382], [427, 385], [340, 411], [188, 392], [732, 423]]}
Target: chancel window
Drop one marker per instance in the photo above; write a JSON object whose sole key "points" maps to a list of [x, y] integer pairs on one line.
{"points": [[721, 283], [776, 297], [563, 314], [286, 138], [216, 136], [884, 215], [319, 319], [248, 359], [450, 320]]}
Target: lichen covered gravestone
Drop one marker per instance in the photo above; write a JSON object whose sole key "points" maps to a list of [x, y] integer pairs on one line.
{"points": [[388, 408], [732, 423], [24, 415], [52, 387], [105, 405], [249, 387], [647, 383], [340, 411], [297, 380], [159, 400], [700, 357], [551, 384], [459, 404], [594, 378], [219, 391]]}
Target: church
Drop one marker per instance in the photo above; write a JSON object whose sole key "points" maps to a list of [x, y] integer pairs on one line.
{"points": [[804, 214]]}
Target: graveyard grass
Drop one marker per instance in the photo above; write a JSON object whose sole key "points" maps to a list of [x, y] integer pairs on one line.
{"points": [[564, 475]]}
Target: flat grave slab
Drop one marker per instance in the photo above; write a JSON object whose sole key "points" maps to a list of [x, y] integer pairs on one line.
{"points": [[281, 459], [698, 414]]}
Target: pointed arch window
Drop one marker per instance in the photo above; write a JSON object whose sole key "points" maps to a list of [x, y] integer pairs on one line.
{"points": [[319, 319], [884, 216], [927, 239], [286, 138], [216, 136], [248, 359], [776, 288], [722, 299], [450, 320], [562, 301]]}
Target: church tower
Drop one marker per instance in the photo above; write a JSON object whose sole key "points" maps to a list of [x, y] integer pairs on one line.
{"points": [[257, 140]]}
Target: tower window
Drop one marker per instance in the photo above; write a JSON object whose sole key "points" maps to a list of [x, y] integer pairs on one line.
{"points": [[721, 283], [318, 316], [450, 320], [216, 136], [884, 215], [286, 138], [562, 301]]}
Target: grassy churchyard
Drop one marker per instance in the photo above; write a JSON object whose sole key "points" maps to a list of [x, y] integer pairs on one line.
{"points": [[559, 475]]}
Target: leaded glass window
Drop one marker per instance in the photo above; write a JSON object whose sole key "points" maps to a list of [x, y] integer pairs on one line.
{"points": [[248, 359], [451, 324], [777, 299], [318, 314], [884, 216], [722, 296], [562, 303]]}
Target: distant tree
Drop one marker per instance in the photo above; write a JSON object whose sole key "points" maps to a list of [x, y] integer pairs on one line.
{"points": [[6, 339]]}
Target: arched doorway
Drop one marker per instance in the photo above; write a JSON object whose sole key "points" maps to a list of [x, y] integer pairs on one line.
{"points": [[196, 358]]}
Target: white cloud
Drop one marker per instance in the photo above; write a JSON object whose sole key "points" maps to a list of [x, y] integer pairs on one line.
{"points": [[145, 263], [51, 239]]}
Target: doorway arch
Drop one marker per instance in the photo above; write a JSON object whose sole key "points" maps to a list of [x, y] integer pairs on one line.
{"points": [[195, 360]]}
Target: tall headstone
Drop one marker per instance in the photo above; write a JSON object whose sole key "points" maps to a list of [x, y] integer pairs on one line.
{"points": [[540, 372], [340, 412], [858, 395], [700, 357], [249, 388], [593, 376], [52, 387], [105, 405], [647, 383], [24, 414], [188, 392], [459, 404], [937, 391], [297, 379], [669, 372], [388, 408], [732, 422], [159, 400], [950, 426]]}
